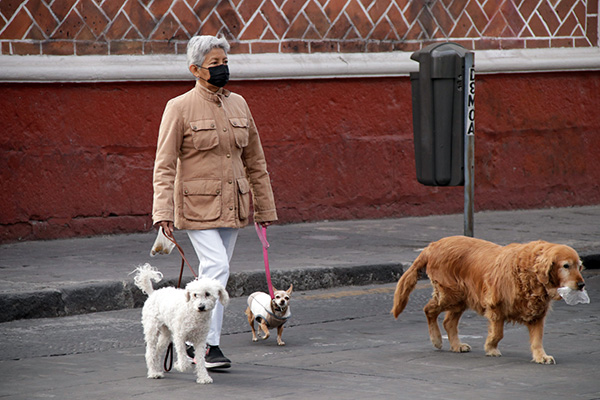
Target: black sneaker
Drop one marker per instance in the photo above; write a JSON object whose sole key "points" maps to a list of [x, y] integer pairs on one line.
{"points": [[215, 359], [189, 349]]}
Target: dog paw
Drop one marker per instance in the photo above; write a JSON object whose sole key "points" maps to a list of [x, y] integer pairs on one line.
{"points": [[204, 380], [281, 343], [155, 375], [462, 348], [545, 359], [255, 339], [436, 343], [493, 353]]}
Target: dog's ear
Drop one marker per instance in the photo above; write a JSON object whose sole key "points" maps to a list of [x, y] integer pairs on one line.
{"points": [[223, 296], [289, 291], [543, 266]]}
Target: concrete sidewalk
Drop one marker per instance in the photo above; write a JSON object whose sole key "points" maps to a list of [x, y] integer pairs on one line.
{"points": [[74, 276]]}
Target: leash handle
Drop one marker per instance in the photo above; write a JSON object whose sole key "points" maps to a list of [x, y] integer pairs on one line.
{"points": [[168, 363], [262, 235]]}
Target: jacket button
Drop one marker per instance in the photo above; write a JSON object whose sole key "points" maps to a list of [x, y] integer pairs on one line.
{"points": [[194, 127], [230, 208], [211, 125], [228, 155], [218, 191], [224, 129], [185, 191], [230, 182]]}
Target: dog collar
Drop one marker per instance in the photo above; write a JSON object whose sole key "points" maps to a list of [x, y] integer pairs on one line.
{"points": [[273, 321]]}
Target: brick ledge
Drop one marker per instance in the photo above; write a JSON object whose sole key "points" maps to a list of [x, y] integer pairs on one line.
{"points": [[280, 66]]}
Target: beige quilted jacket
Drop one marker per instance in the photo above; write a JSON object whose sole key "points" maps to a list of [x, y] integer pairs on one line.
{"points": [[209, 160]]}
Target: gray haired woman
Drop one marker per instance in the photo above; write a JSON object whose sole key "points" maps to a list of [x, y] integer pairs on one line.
{"points": [[209, 161]]}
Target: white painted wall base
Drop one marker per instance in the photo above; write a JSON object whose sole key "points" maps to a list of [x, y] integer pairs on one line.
{"points": [[280, 66]]}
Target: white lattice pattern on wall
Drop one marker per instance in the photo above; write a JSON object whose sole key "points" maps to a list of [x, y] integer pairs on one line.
{"points": [[258, 26]]}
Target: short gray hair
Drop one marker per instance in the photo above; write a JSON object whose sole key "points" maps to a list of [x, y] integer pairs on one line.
{"points": [[199, 46]]}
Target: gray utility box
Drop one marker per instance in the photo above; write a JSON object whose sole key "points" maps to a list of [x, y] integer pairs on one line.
{"points": [[438, 100]]}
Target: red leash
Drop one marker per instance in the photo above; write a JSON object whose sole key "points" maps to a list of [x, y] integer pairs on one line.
{"points": [[262, 235], [183, 259]]}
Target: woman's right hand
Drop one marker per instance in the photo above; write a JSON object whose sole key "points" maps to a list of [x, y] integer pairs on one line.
{"points": [[167, 227]]}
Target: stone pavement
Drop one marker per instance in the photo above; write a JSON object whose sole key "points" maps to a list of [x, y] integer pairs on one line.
{"points": [[73, 276], [341, 343]]}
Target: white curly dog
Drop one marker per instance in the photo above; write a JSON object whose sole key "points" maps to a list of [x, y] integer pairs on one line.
{"points": [[177, 315]]}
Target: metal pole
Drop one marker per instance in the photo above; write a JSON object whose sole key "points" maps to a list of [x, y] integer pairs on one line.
{"points": [[469, 142]]}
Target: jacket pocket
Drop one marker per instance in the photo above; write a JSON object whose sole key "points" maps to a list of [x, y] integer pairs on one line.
{"points": [[243, 198], [204, 134], [202, 199], [240, 131]]}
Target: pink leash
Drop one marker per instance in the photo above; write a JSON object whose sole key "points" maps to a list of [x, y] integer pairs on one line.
{"points": [[262, 235]]}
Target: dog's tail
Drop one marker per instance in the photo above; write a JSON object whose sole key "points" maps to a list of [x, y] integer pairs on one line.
{"points": [[144, 275], [407, 283]]}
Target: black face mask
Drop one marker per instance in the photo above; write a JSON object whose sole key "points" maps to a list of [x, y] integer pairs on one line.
{"points": [[219, 75]]}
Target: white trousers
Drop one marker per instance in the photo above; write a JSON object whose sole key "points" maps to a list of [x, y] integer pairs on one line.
{"points": [[214, 248]]}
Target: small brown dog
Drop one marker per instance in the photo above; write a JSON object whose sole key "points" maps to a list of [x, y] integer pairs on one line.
{"points": [[269, 313], [514, 283]]}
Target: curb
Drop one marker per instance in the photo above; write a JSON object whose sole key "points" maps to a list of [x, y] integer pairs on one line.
{"points": [[117, 295]]}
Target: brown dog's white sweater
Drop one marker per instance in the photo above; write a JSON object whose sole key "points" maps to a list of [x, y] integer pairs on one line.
{"points": [[260, 305]]}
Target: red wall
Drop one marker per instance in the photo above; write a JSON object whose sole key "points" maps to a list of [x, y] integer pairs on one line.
{"points": [[76, 159]]}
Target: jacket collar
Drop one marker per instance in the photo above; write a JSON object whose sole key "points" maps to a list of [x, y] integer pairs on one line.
{"points": [[207, 94]]}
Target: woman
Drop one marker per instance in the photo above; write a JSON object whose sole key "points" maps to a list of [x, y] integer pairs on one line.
{"points": [[208, 160]]}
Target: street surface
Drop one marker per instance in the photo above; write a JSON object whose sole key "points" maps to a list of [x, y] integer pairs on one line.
{"points": [[340, 344]]}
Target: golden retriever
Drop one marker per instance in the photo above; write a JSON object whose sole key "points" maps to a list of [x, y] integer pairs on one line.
{"points": [[513, 283]]}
